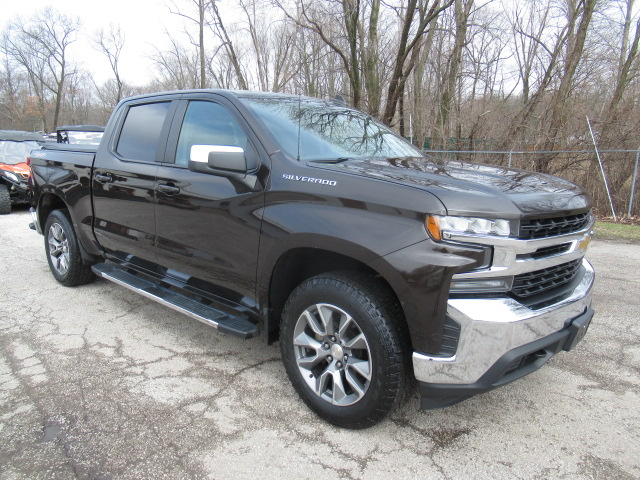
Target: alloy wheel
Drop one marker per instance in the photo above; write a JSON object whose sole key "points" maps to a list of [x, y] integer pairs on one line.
{"points": [[58, 248], [332, 354]]}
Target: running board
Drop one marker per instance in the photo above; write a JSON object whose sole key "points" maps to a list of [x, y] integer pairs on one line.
{"points": [[225, 323]]}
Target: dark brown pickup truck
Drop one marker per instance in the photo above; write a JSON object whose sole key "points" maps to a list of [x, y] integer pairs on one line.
{"points": [[307, 222]]}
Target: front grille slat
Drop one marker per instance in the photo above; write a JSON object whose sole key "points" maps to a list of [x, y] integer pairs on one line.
{"points": [[533, 283], [549, 251], [551, 227]]}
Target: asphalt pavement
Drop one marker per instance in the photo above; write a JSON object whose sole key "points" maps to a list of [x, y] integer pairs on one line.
{"points": [[97, 382]]}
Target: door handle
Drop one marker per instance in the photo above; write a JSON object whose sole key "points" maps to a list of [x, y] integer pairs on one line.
{"points": [[106, 178], [168, 189]]}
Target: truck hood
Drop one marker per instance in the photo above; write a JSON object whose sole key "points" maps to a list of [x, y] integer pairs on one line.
{"points": [[469, 189]]}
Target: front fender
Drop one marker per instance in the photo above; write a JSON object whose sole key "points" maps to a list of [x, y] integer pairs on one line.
{"points": [[363, 236], [393, 244]]}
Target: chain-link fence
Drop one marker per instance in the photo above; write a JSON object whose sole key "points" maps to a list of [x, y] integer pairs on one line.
{"points": [[618, 194]]}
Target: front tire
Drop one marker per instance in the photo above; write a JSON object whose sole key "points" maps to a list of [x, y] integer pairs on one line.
{"points": [[5, 200], [63, 251], [345, 349]]}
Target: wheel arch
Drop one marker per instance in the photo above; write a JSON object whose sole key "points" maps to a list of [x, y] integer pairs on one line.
{"points": [[66, 261], [47, 203], [301, 263]]}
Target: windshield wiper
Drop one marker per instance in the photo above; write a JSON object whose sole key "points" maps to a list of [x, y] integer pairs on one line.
{"points": [[332, 160]]}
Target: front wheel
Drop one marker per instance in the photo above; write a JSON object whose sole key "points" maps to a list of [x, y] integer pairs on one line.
{"points": [[5, 200], [63, 251], [345, 349]]}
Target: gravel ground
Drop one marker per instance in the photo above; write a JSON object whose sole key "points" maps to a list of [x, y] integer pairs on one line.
{"points": [[98, 382]]}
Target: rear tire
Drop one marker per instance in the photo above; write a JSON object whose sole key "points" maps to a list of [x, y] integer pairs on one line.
{"points": [[5, 200], [63, 251], [345, 348]]}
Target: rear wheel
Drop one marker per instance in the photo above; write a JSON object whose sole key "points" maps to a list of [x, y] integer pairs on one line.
{"points": [[63, 251], [344, 348], [5, 200]]}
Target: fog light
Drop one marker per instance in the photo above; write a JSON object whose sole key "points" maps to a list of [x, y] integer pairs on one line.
{"points": [[473, 285]]}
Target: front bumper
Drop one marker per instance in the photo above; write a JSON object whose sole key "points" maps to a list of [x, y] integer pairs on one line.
{"points": [[502, 340], [19, 192]]}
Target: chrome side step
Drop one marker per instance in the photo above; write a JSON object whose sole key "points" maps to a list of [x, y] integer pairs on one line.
{"points": [[225, 323]]}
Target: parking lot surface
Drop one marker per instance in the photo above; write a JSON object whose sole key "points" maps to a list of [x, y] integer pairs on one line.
{"points": [[97, 382]]}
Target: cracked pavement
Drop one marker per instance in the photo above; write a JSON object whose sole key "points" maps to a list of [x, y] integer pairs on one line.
{"points": [[97, 382]]}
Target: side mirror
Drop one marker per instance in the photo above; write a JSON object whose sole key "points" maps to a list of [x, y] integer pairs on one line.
{"points": [[218, 160]]}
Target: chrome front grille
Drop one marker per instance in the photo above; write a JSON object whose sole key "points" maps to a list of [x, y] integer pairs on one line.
{"points": [[540, 281], [550, 251], [551, 227], [534, 270]]}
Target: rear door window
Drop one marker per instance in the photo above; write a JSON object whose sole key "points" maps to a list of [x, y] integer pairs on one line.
{"points": [[142, 130]]}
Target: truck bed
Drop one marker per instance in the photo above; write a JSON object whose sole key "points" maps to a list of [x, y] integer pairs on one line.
{"points": [[66, 171], [66, 147]]}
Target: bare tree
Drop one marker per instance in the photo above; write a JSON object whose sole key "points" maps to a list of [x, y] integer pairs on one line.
{"points": [[416, 18], [617, 127], [462, 13], [201, 17], [77, 107], [110, 44], [227, 44], [12, 89], [539, 46], [320, 73], [629, 53], [271, 41], [40, 46], [259, 40], [529, 22], [579, 13], [177, 66], [284, 66], [222, 72], [336, 23], [483, 75]]}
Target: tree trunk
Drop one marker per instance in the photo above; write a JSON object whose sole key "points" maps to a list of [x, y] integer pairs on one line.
{"points": [[462, 12], [575, 48], [409, 51]]}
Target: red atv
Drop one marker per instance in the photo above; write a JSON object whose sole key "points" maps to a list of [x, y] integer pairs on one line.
{"points": [[15, 146]]}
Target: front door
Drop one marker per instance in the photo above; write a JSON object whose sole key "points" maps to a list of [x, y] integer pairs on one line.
{"points": [[206, 225]]}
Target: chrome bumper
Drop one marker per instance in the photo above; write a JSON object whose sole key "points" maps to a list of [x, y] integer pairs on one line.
{"points": [[491, 327]]}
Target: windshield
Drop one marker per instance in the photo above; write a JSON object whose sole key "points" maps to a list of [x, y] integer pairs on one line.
{"points": [[12, 153], [327, 131]]}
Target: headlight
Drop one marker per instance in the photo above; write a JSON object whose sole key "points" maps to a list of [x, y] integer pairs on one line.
{"points": [[442, 228], [12, 176]]}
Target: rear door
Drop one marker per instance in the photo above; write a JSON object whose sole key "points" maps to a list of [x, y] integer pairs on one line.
{"points": [[208, 227], [124, 178]]}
